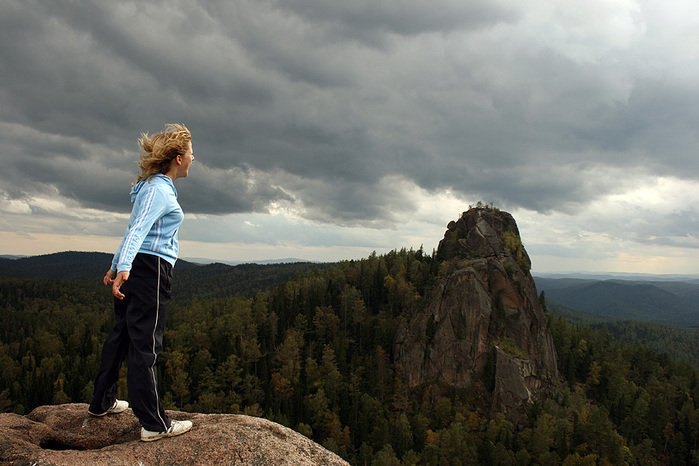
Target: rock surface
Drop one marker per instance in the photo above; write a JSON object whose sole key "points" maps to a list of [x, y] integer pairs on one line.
{"points": [[483, 326], [67, 435]]}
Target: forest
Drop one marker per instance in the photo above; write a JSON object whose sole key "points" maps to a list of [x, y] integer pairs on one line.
{"points": [[679, 342], [315, 353]]}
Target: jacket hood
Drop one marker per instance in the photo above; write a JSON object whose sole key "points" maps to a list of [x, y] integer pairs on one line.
{"points": [[135, 189]]}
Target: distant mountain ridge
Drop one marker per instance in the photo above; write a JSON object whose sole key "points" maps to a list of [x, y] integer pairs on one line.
{"points": [[210, 281], [600, 276], [204, 261], [664, 302], [72, 265]]}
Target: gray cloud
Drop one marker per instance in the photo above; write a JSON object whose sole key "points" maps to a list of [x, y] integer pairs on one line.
{"points": [[229, 191], [316, 105], [371, 21]]}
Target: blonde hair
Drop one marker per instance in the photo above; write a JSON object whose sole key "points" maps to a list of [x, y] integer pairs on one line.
{"points": [[158, 150]]}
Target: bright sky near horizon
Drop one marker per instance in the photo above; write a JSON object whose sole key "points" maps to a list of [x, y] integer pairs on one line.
{"points": [[324, 130]]}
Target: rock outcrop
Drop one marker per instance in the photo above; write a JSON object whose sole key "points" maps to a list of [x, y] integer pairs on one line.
{"points": [[482, 327], [67, 435]]}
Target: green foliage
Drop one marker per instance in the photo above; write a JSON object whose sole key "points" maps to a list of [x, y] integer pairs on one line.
{"points": [[678, 342], [483, 205], [316, 353], [51, 334], [513, 245], [511, 348]]}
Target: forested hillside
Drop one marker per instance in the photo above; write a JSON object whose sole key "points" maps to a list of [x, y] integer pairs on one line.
{"points": [[87, 266], [211, 281], [316, 353], [679, 342], [663, 302]]}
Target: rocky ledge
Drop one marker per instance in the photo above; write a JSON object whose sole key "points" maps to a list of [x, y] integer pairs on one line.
{"points": [[67, 435]]}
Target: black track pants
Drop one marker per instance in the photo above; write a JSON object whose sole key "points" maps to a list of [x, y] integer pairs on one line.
{"points": [[138, 329]]}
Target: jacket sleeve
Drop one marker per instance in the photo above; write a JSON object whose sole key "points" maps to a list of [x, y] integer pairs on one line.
{"points": [[115, 259], [148, 208]]}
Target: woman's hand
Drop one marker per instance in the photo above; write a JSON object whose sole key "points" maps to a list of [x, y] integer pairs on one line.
{"points": [[121, 277], [108, 277]]}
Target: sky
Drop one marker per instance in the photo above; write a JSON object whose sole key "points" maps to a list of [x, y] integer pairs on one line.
{"points": [[325, 130]]}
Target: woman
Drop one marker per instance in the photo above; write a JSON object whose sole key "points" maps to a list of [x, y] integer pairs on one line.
{"points": [[140, 277]]}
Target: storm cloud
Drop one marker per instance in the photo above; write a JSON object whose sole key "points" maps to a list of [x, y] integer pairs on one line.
{"points": [[350, 113]]}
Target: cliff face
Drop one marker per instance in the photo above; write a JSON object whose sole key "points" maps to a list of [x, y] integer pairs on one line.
{"points": [[482, 327], [67, 435]]}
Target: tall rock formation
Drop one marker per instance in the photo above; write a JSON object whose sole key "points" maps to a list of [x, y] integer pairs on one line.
{"points": [[482, 327]]}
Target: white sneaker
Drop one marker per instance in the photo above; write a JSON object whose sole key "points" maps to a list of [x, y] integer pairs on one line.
{"points": [[119, 406], [176, 428]]}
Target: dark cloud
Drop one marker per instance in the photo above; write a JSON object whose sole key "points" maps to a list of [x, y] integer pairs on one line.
{"points": [[228, 191], [332, 109], [369, 21]]}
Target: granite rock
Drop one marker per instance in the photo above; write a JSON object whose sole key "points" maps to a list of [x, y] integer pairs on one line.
{"points": [[482, 327], [68, 435]]}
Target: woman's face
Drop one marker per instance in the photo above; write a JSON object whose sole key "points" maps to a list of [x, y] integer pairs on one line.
{"points": [[187, 160]]}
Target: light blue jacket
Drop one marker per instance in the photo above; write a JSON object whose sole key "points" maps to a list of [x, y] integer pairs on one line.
{"points": [[155, 219]]}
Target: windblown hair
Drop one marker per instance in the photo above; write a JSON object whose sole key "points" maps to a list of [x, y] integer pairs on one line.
{"points": [[158, 150]]}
